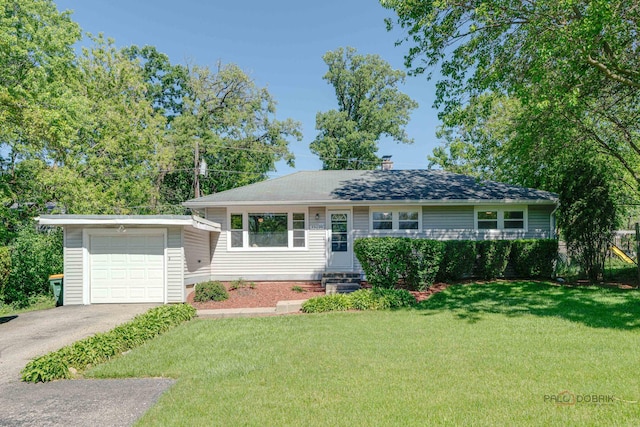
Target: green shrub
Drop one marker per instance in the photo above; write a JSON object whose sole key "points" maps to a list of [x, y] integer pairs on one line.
{"points": [[5, 268], [49, 367], [210, 291], [101, 347], [458, 260], [241, 284], [34, 257], [423, 262], [334, 302], [493, 257], [534, 258], [386, 260], [394, 298], [383, 259], [364, 299]]}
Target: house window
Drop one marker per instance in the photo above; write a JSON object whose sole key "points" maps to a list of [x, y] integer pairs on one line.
{"points": [[298, 230], [408, 220], [237, 226], [382, 220], [267, 230], [488, 220], [501, 219], [390, 219], [514, 219]]}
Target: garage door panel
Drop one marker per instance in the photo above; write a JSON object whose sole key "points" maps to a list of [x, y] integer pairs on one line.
{"points": [[127, 268]]}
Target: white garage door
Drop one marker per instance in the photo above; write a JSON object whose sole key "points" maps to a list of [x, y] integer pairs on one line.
{"points": [[127, 268]]}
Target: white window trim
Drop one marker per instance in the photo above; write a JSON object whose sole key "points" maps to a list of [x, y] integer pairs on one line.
{"points": [[395, 210], [245, 211], [501, 210]]}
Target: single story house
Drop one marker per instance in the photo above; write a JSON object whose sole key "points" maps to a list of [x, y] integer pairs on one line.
{"points": [[292, 228]]}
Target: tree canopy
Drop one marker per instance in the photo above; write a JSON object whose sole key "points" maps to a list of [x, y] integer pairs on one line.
{"points": [[113, 130], [370, 106], [571, 67]]}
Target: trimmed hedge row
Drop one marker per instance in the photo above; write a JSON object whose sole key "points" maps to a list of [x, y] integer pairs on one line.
{"points": [[103, 346], [363, 299], [419, 262]]}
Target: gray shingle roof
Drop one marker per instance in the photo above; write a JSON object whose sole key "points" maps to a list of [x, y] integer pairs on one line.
{"points": [[347, 187]]}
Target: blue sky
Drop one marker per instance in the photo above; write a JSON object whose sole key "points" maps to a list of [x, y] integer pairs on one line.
{"points": [[280, 44]]}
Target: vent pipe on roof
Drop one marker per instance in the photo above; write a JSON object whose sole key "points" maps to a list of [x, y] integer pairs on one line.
{"points": [[387, 164]]}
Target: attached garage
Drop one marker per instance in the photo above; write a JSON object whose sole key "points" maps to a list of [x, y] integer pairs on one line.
{"points": [[127, 267], [133, 259]]}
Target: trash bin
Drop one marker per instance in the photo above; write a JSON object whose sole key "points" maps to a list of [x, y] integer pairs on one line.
{"points": [[56, 287]]}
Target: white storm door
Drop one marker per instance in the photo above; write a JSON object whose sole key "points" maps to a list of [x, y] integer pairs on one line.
{"points": [[340, 251]]}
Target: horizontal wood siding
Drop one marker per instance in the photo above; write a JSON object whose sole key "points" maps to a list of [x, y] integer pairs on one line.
{"points": [[303, 264], [197, 255], [447, 217], [175, 265], [72, 284]]}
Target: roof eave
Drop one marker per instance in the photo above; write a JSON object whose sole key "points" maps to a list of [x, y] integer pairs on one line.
{"points": [[194, 221], [441, 202]]}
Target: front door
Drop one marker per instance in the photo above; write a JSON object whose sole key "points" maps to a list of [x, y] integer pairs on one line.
{"points": [[340, 257]]}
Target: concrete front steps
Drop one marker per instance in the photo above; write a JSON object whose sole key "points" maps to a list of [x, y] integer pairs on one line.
{"points": [[340, 282]]}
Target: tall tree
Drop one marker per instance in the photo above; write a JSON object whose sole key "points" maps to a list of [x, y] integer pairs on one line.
{"points": [[229, 123], [168, 83], [569, 65], [370, 106], [588, 214], [38, 108], [120, 148]]}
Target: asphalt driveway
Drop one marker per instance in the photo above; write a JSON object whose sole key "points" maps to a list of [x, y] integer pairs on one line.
{"points": [[68, 402]]}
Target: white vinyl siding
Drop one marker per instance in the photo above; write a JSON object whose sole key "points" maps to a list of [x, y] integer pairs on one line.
{"points": [[197, 256], [540, 221], [175, 265], [73, 269], [447, 217]]}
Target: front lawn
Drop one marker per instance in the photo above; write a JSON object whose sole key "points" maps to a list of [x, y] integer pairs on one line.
{"points": [[495, 354]]}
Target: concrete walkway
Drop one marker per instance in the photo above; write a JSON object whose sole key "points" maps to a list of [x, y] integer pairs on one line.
{"points": [[282, 307]]}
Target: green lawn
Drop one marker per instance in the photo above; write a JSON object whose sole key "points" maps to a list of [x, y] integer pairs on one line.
{"points": [[472, 355]]}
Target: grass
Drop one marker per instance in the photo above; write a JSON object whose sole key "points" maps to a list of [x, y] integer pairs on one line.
{"points": [[41, 302], [472, 355]]}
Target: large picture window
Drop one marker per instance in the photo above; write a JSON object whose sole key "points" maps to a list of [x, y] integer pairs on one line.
{"points": [[513, 218], [267, 230]]}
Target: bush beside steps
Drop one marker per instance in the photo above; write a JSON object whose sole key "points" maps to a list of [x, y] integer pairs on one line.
{"points": [[103, 346], [363, 299]]}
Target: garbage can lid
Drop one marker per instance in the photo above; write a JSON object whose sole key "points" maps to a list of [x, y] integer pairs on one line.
{"points": [[56, 276]]}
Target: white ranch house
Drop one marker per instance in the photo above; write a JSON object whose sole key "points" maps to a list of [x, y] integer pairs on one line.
{"points": [[293, 228]]}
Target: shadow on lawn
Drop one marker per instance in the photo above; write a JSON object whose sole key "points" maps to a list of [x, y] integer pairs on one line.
{"points": [[594, 307]]}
